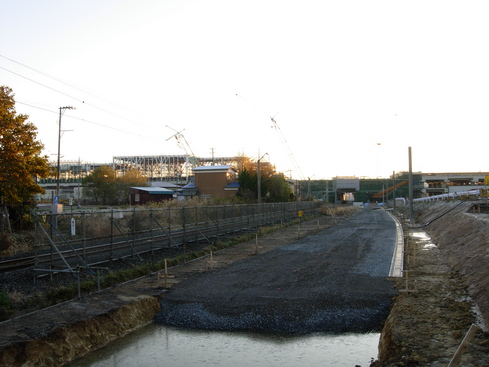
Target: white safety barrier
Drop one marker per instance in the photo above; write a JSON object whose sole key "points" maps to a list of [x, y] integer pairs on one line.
{"points": [[453, 195]]}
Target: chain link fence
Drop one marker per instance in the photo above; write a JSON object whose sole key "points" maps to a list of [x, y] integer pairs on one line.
{"points": [[87, 238]]}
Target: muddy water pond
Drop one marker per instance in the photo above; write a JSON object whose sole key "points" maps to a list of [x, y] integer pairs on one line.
{"points": [[157, 345]]}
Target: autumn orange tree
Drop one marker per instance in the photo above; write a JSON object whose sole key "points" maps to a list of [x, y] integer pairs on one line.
{"points": [[20, 160]]}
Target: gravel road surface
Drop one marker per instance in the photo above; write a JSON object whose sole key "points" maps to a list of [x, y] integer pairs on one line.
{"points": [[332, 281]]}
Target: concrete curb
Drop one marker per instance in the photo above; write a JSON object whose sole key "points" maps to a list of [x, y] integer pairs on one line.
{"points": [[397, 263]]}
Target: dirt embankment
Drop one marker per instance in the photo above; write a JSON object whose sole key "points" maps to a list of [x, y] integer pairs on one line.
{"points": [[446, 290], [61, 333]]}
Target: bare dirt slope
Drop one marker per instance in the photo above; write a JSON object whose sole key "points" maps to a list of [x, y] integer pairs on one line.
{"points": [[447, 283], [463, 234]]}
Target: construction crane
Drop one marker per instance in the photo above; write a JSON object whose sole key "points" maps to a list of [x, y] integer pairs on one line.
{"points": [[287, 148], [183, 144], [282, 139], [389, 190]]}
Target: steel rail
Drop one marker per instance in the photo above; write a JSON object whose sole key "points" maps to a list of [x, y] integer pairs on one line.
{"points": [[145, 243]]}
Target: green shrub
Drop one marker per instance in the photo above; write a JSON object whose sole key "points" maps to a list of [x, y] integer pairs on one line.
{"points": [[5, 307]]}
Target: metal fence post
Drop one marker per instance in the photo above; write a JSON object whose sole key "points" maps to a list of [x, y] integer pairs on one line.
{"points": [[98, 280], [111, 234], [78, 283], [84, 235], [183, 225], [224, 214], [133, 231], [169, 226], [52, 240], [151, 231]]}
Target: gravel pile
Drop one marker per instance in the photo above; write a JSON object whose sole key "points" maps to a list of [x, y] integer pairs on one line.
{"points": [[333, 281]]}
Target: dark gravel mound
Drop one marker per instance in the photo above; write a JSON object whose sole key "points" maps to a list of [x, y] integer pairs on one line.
{"points": [[333, 281]]}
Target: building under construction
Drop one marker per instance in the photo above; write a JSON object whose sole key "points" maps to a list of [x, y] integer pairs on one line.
{"points": [[171, 168]]}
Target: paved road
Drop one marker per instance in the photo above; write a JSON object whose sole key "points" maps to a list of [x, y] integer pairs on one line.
{"points": [[333, 281]]}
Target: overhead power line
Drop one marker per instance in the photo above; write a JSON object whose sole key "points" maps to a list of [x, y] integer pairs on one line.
{"points": [[54, 78], [43, 85], [63, 93], [81, 119]]}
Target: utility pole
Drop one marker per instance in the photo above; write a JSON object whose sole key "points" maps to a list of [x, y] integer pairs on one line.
{"points": [[61, 111], [394, 190], [212, 152], [258, 177], [411, 189]]}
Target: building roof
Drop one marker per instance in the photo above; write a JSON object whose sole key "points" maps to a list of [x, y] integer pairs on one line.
{"points": [[154, 190], [233, 185], [190, 185], [165, 184], [219, 168]]}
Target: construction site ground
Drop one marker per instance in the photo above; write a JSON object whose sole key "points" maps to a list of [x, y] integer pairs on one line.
{"points": [[331, 281], [427, 323]]}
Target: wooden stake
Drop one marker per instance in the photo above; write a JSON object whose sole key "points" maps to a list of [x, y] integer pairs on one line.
{"points": [[414, 255], [255, 247], [165, 275], [210, 262], [407, 290], [256, 244], [467, 339], [407, 280]]}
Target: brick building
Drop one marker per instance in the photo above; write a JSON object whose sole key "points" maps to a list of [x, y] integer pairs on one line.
{"points": [[216, 181]]}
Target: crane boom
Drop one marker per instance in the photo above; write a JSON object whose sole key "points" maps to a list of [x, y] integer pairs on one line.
{"points": [[287, 148], [185, 146]]}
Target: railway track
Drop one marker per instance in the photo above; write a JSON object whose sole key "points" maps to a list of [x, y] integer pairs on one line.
{"points": [[134, 245]]}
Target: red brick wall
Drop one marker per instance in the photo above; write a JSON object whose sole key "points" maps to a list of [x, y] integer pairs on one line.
{"points": [[213, 183]]}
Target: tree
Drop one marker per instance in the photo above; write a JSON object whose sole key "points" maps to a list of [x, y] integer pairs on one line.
{"points": [[279, 190], [132, 178], [247, 185], [20, 159], [101, 185], [274, 188], [105, 188]]}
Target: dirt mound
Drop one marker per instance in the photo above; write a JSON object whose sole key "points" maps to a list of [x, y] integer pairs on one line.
{"points": [[464, 236], [444, 289]]}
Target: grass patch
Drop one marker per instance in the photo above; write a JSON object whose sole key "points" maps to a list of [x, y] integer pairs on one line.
{"points": [[5, 306]]}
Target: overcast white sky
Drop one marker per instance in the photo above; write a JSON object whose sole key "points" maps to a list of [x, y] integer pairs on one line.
{"points": [[339, 77]]}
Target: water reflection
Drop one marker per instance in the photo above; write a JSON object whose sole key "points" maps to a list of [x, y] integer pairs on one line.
{"points": [[423, 238], [157, 345]]}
